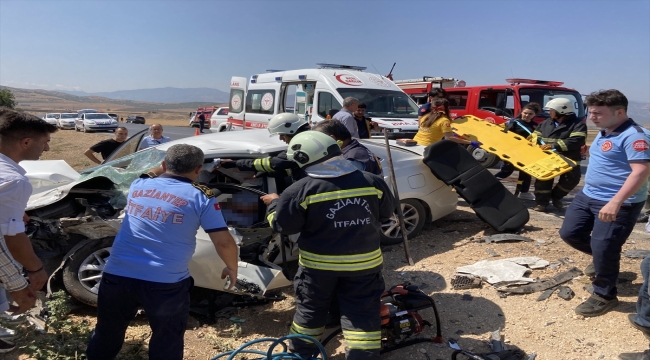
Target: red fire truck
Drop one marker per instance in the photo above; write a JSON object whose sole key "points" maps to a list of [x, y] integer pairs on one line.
{"points": [[494, 103]]}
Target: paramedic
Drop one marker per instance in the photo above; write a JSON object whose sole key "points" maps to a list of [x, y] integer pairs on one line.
{"points": [[435, 125]]}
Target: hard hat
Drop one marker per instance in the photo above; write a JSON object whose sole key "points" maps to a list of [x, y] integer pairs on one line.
{"points": [[310, 147], [285, 124], [561, 105]]}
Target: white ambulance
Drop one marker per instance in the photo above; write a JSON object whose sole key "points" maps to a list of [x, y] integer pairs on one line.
{"points": [[316, 93]]}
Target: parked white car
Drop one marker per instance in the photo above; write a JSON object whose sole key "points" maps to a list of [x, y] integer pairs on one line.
{"points": [[219, 117], [52, 118], [88, 122], [66, 121], [81, 215]]}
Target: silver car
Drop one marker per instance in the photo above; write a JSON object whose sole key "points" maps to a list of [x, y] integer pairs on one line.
{"points": [[66, 121], [78, 215], [52, 118], [88, 122]]}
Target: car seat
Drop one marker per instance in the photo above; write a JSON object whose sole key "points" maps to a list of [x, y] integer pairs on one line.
{"points": [[490, 200]]}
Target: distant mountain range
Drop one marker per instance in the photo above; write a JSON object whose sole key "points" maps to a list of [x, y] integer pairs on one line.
{"points": [[639, 112], [162, 95]]}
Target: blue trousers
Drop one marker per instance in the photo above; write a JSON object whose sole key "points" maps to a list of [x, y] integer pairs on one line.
{"points": [[167, 308], [643, 302], [583, 231]]}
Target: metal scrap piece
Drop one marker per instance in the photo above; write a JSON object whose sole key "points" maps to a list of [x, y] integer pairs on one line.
{"points": [[565, 293], [492, 252], [465, 281], [505, 237], [636, 254], [544, 284], [546, 294]]}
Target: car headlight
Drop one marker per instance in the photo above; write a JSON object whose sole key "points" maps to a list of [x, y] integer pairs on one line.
{"points": [[90, 122], [113, 121]]}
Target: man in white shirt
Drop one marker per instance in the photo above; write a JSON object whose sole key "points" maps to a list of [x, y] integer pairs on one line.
{"points": [[156, 137], [22, 137]]}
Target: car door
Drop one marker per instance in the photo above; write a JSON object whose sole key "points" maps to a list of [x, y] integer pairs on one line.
{"points": [[128, 147]]}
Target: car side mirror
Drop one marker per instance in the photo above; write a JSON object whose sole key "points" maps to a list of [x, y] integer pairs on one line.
{"points": [[499, 112]]}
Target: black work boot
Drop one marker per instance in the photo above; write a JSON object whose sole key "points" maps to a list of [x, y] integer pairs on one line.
{"points": [[558, 204], [596, 305]]}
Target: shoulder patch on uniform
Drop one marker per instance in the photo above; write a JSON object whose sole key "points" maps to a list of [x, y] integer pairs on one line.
{"points": [[640, 145], [204, 189], [149, 175]]}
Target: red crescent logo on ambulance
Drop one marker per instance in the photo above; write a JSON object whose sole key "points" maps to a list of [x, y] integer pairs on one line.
{"points": [[640, 145], [607, 146], [348, 79], [217, 206]]}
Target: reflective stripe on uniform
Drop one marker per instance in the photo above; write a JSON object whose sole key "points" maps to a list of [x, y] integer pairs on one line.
{"points": [[578, 133], [270, 217], [313, 332], [263, 165], [341, 194], [362, 340], [357, 262], [562, 145]]}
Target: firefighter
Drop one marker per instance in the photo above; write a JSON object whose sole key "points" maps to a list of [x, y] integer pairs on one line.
{"points": [[338, 211], [353, 150], [285, 125], [564, 133]]}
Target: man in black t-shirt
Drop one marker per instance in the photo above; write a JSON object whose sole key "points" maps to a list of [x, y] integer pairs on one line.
{"points": [[106, 147]]}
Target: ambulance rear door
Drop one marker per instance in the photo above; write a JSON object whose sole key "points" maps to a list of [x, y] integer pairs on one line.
{"points": [[237, 104], [262, 101]]}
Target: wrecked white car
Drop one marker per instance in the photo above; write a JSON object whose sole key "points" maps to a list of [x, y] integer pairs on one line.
{"points": [[76, 216]]}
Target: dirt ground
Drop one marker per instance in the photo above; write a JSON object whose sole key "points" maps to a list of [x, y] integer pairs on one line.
{"points": [[548, 328]]}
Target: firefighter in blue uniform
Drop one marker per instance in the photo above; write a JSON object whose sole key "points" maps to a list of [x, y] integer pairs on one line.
{"points": [[565, 134], [286, 126], [337, 210]]}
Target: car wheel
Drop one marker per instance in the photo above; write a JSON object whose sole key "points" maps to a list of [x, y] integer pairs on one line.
{"points": [[83, 128], [83, 271], [76, 128], [414, 217], [483, 157]]}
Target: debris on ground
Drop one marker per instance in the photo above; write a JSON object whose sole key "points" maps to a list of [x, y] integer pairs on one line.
{"points": [[547, 294], [637, 254], [504, 237], [505, 271], [565, 293], [464, 281], [544, 284]]}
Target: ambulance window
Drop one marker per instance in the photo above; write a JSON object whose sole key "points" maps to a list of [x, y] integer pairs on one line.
{"points": [[326, 102], [457, 100], [260, 101]]}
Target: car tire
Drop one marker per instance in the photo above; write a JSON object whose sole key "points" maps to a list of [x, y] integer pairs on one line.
{"points": [[483, 157], [415, 215], [82, 272], [83, 129], [76, 128]]}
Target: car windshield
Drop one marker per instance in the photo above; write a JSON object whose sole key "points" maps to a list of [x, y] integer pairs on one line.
{"points": [[123, 171], [53, 116], [98, 117], [383, 103], [542, 96], [68, 116]]}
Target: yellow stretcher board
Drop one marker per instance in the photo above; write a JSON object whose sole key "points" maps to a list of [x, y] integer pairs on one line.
{"points": [[510, 147]]}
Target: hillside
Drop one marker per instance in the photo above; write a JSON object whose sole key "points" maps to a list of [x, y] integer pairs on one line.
{"points": [[41, 101], [162, 95]]}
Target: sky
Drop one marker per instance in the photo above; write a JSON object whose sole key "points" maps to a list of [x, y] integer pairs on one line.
{"points": [[114, 45]]}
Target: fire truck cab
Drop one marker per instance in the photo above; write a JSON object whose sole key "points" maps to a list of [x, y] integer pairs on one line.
{"points": [[495, 103], [313, 93]]}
